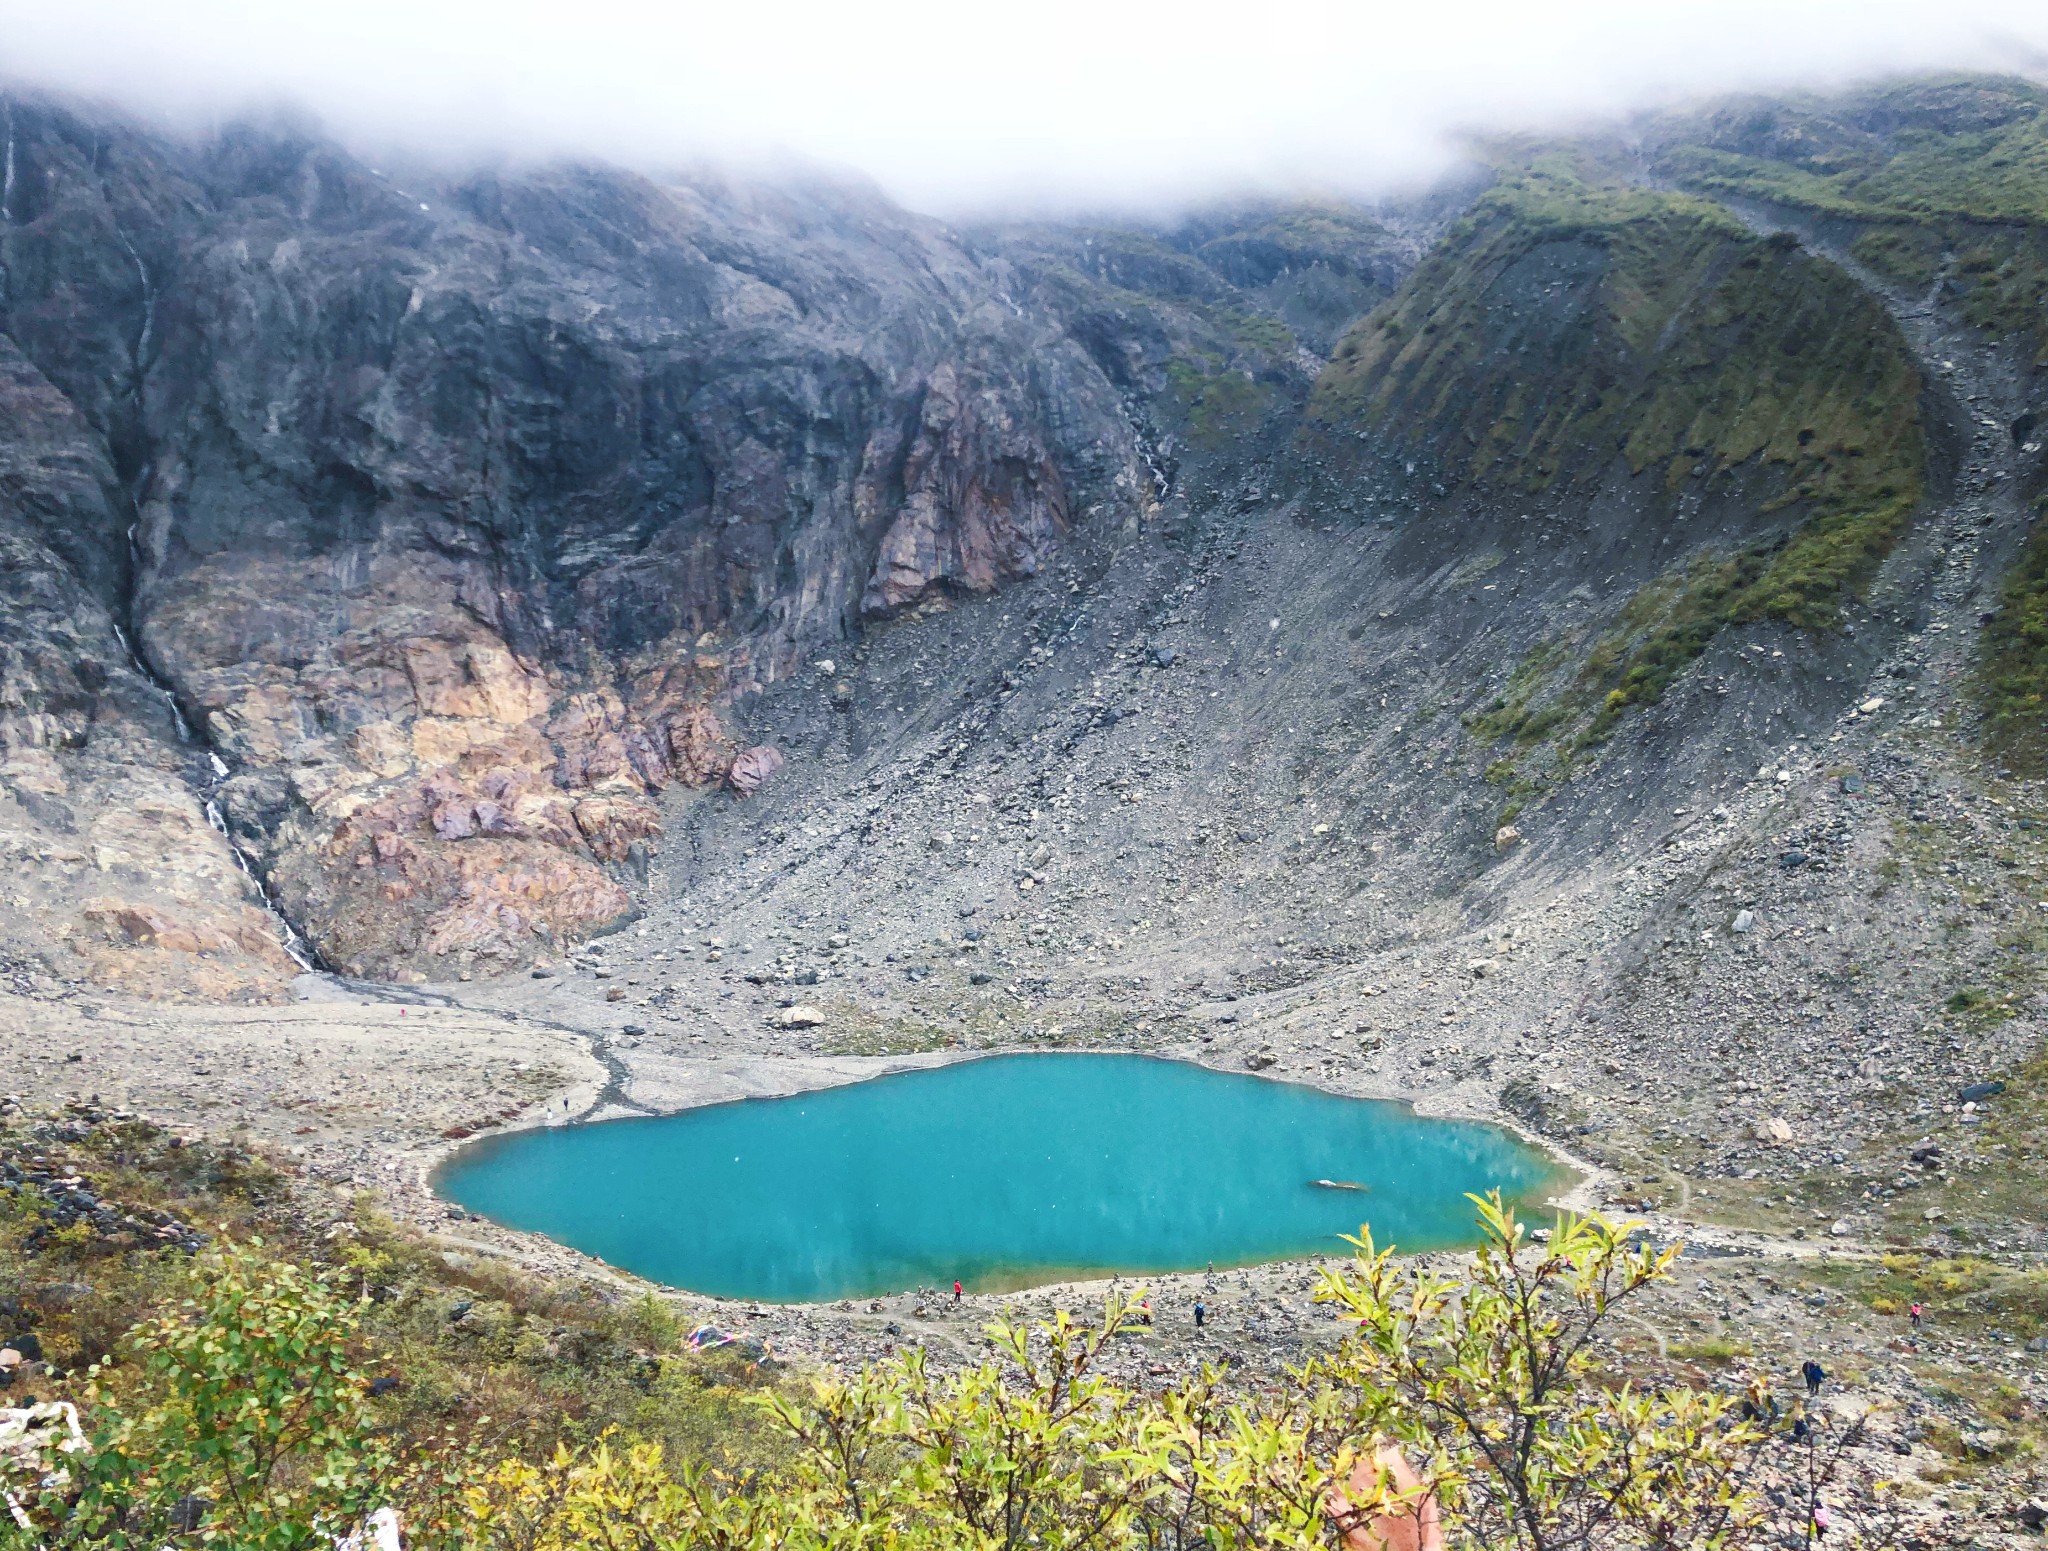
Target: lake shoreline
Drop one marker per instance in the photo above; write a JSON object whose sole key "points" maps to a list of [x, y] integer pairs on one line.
{"points": [[978, 1156], [358, 1094]]}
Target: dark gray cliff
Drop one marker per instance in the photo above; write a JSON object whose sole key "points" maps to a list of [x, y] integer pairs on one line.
{"points": [[457, 508]]}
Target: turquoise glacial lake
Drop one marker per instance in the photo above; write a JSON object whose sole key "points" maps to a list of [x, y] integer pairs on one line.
{"points": [[1003, 1172]]}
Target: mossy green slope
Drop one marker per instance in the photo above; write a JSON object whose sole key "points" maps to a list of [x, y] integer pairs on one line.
{"points": [[1948, 178], [1944, 183], [1566, 323], [1971, 148], [1574, 330], [2012, 673]]}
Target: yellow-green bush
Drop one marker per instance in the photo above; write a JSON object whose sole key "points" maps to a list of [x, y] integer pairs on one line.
{"points": [[242, 1419]]}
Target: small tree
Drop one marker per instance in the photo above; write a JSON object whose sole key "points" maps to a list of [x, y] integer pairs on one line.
{"points": [[1487, 1382]]}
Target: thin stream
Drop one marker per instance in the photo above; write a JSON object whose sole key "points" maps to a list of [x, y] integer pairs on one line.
{"points": [[300, 951]]}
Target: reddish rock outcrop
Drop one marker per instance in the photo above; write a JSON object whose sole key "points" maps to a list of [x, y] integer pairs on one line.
{"points": [[754, 769]]}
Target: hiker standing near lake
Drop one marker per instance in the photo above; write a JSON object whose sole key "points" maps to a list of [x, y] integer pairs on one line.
{"points": [[1201, 1313], [956, 1290]]}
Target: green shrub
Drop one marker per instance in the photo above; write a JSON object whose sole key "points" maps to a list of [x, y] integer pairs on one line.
{"points": [[240, 1419]]}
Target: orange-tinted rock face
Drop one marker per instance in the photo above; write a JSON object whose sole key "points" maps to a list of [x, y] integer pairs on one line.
{"points": [[451, 806], [243, 932]]}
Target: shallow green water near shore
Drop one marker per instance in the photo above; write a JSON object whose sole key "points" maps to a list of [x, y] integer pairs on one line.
{"points": [[1001, 1172]]}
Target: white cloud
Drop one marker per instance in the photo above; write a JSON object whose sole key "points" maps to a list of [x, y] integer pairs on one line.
{"points": [[956, 106]]}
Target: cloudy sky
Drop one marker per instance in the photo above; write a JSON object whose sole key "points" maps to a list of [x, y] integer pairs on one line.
{"points": [[960, 107]]}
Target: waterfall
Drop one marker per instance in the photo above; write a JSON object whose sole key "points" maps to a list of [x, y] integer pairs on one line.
{"points": [[148, 311]]}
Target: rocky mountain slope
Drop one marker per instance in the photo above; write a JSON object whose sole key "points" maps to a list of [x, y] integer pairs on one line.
{"points": [[1570, 648], [448, 514], [1646, 781], [460, 520]]}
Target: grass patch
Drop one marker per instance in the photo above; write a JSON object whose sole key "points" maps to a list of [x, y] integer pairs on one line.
{"points": [[864, 1034], [1959, 1292], [1508, 714], [1910, 256], [2012, 661], [1717, 1350], [1221, 403]]}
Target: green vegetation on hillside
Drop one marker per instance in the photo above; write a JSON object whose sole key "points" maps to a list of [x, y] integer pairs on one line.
{"points": [[1208, 320], [1572, 324], [1947, 180], [1948, 177], [1566, 322], [1487, 1403], [1215, 369], [1221, 403], [475, 1355], [2012, 667], [1968, 147]]}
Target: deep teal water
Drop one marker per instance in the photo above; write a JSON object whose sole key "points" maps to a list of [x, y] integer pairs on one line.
{"points": [[1002, 1172]]}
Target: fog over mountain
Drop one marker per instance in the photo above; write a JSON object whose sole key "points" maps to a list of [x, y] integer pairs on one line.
{"points": [[959, 109]]}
